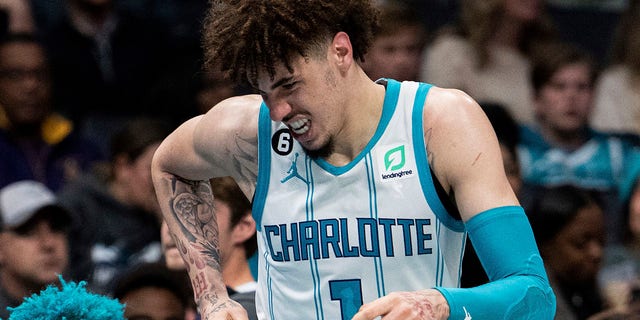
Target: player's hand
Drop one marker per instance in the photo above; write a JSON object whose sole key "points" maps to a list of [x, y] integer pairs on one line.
{"points": [[416, 305], [224, 310]]}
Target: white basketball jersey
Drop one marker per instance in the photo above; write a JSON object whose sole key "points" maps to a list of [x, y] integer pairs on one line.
{"points": [[332, 238]]}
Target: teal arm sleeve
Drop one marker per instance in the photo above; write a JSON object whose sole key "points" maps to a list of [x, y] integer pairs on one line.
{"points": [[518, 287]]}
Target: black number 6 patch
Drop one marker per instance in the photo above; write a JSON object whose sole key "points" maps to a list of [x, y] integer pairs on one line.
{"points": [[282, 142]]}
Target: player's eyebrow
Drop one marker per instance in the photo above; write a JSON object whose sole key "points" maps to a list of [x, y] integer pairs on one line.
{"points": [[281, 81], [277, 84]]}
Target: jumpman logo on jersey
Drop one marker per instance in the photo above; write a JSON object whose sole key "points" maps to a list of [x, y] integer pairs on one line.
{"points": [[467, 315], [293, 171]]}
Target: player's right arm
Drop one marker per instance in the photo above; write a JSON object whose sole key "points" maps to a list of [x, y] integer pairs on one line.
{"points": [[221, 143]]}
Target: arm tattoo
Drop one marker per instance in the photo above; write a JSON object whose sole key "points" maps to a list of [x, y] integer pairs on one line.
{"points": [[218, 308], [192, 206]]}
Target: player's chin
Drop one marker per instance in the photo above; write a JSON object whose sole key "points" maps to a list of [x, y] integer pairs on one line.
{"points": [[321, 151]]}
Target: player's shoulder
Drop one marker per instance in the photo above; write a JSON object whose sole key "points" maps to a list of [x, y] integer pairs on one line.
{"points": [[231, 117], [238, 105], [446, 104], [238, 110]]}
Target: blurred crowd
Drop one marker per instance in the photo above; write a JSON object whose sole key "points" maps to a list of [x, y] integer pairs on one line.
{"points": [[89, 89]]}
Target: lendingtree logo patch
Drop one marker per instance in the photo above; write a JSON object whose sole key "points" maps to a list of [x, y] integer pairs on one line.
{"points": [[394, 159], [395, 163]]}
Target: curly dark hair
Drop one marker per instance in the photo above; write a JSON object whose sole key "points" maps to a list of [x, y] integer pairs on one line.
{"points": [[243, 37]]}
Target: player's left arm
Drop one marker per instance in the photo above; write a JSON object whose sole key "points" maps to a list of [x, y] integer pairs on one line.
{"points": [[465, 156]]}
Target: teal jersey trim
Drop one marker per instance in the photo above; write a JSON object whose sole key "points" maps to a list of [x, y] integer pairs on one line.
{"points": [[373, 213], [420, 150], [388, 108], [264, 165]]}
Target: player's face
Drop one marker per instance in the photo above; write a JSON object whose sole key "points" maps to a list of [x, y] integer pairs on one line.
{"points": [[575, 254], [307, 100], [564, 104]]}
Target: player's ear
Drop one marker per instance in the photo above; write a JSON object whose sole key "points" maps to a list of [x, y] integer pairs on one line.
{"points": [[341, 50]]}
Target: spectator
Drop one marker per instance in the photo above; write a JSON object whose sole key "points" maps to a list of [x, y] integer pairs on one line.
{"points": [[171, 250], [620, 275], [488, 53], [36, 142], [153, 292], [237, 234], [118, 223], [507, 131], [396, 51], [561, 147], [173, 261], [237, 240], [569, 230], [105, 65], [569, 227], [33, 241], [18, 15], [617, 95]]}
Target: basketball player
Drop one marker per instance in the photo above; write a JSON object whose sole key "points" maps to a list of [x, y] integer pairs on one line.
{"points": [[352, 180]]}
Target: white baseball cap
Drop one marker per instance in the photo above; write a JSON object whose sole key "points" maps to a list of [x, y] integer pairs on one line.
{"points": [[21, 200]]}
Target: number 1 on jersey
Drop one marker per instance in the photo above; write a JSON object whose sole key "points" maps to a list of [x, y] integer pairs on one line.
{"points": [[349, 293]]}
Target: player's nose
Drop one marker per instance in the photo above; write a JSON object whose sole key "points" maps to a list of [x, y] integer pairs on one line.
{"points": [[279, 109]]}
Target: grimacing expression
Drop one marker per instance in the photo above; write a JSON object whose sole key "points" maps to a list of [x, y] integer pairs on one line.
{"points": [[307, 100]]}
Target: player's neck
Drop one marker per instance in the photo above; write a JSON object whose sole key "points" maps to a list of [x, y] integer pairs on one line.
{"points": [[361, 119]]}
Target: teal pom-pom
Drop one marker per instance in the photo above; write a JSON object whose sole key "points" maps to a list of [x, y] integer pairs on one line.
{"points": [[70, 302]]}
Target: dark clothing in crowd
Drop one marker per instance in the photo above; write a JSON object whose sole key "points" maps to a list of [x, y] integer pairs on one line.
{"points": [[107, 237], [47, 162]]}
